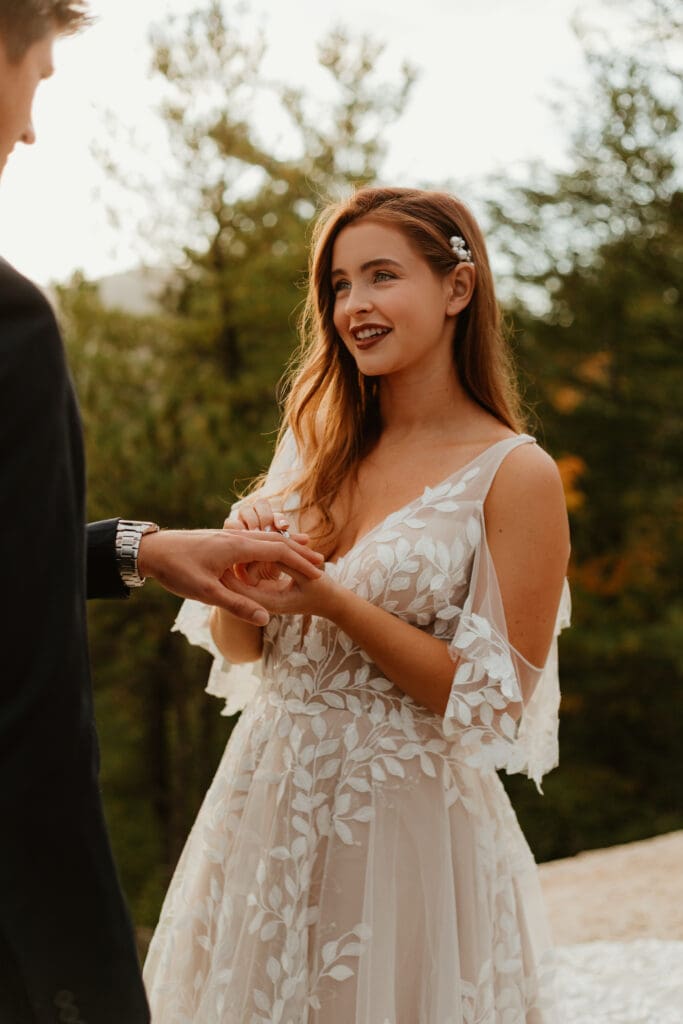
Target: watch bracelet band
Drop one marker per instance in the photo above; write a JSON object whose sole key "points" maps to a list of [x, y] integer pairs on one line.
{"points": [[129, 533]]}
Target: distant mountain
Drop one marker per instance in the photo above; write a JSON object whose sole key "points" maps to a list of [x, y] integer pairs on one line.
{"points": [[134, 291]]}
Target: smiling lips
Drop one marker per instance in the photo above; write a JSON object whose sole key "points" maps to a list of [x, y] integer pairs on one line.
{"points": [[367, 335]]}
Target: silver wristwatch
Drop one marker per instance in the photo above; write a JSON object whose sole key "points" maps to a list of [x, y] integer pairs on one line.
{"points": [[128, 536]]}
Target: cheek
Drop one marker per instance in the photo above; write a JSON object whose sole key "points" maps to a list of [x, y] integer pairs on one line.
{"points": [[338, 318], [24, 107]]}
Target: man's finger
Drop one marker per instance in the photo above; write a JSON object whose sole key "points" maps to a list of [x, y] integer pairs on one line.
{"points": [[237, 604], [300, 538], [285, 553], [290, 544]]}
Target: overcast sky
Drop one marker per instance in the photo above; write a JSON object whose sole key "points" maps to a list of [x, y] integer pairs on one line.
{"points": [[487, 69]]}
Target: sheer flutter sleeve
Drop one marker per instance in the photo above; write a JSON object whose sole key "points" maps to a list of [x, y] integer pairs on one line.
{"points": [[502, 709], [236, 684]]}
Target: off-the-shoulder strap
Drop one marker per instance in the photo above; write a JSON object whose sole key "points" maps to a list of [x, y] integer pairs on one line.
{"points": [[490, 460]]}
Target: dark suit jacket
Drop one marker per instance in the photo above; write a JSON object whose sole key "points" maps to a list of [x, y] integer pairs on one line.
{"points": [[67, 951]]}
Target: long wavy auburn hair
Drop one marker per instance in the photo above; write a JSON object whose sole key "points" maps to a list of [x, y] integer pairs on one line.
{"points": [[331, 408]]}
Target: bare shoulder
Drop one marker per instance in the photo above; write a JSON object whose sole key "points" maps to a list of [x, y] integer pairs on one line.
{"points": [[526, 499], [527, 470]]}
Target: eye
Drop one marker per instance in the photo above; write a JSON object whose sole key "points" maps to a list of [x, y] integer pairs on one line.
{"points": [[340, 285], [384, 275]]}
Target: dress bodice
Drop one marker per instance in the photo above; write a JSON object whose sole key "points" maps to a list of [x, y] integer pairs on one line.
{"points": [[427, 563]]}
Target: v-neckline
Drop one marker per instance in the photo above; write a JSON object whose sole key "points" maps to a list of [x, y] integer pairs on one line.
{"points": [[420, 497]]}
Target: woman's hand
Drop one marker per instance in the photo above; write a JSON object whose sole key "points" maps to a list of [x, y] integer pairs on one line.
{"points": [[257, 515], [294, 594], [260, 515], [279, 588]]}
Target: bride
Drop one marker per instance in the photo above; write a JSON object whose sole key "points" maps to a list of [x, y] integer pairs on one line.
{"points": [[356, 859]]}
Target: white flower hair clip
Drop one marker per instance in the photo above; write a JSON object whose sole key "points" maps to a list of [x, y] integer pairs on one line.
{"points": [[460, 250]]}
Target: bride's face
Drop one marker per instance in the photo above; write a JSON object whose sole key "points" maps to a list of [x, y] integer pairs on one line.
{"points": [[391, 310]]}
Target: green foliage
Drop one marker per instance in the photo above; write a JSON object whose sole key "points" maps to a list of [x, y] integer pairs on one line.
{"points": [[603, 242], [251, 207]]}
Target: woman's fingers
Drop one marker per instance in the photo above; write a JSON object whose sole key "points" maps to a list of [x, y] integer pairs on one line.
{"points": [[233, 523], [295, 574], [260, 515], [249, 518], [253, 573], [267, 517], [264, 514]]}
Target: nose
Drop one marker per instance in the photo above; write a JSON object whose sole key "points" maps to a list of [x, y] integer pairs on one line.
{"points": [[359, 300], [28, 136]]}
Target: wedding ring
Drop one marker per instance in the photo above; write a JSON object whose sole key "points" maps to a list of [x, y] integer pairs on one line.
{"points": [[282, 531]]}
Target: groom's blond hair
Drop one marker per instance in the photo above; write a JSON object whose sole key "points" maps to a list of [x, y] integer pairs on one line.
{"points": [[24, 22]]}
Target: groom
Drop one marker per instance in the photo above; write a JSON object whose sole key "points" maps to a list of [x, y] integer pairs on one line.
{"points": [[67, 952]]}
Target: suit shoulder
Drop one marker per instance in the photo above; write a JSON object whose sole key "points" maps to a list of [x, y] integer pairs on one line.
{"points": [[28, 326], [18, 290]]}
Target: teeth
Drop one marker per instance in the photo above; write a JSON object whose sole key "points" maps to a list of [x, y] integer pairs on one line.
{"points": [[369, 332]]}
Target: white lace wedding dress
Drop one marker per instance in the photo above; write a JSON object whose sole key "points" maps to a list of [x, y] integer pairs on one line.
{"points": [[356, 859]]}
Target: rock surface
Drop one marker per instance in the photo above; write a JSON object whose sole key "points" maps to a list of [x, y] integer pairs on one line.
{"points": [[619, 893]]}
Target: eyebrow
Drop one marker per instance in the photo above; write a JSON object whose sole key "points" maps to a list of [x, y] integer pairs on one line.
{"points": [[381, 260]]}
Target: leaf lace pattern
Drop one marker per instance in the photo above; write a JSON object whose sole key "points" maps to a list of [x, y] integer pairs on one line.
{"points": [[356, 858]]}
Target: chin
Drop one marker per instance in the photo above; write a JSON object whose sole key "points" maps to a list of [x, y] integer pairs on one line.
{"points": [[374, 365], [377, 367]]}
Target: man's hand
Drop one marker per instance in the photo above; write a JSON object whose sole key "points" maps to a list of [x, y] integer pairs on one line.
{"points": [[198, 564], [260, 515]]}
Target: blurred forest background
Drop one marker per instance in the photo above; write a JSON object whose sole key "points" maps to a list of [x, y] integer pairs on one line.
{"points": [[181, 403]]}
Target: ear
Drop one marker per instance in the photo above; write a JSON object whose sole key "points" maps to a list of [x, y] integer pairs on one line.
{"points": [[460, 284]]}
